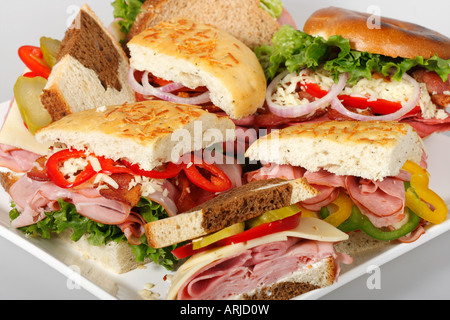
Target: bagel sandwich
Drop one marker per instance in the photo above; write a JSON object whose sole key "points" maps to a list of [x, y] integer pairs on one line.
{"points": [[371, 176], [112, 169], [346, 64]]}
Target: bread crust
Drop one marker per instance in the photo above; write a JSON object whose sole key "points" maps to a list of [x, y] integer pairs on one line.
{"points": [[298, 283], [7, 179], [250, 24], [149, 133], [393, 38], [91, 69], [368, 149]]}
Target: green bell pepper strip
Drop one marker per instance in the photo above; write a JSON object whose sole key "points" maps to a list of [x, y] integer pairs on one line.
{"points": [[358, 221]]}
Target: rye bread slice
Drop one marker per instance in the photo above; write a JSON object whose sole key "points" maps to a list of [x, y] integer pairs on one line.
{"points": [[236, 205]]}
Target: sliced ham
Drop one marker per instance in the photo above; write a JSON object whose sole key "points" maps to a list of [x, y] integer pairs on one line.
{"points": [[16, 159], [34, 198], [286, 18], [259, 266], [325, 178], [383, 202], [273, 170], [425, 127], [133, 228], [326, 196]]}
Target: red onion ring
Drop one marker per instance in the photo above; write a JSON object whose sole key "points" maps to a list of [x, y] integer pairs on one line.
{"points": [[303, 109], [163, 93], [407, 107]]}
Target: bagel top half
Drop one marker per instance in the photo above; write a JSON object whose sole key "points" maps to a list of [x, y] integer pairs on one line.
{"points": [[380, 35]]}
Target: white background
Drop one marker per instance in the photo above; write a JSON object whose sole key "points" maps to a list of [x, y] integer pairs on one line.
{"points": [[423, 273]]}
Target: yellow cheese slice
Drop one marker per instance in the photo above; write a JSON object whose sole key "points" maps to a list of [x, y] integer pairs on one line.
{"points": [[14, 133], [308, 228]]}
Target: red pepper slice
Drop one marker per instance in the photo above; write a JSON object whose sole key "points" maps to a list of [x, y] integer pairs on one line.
{"points": [[31, 74], [171, 170], [110, 166], [378, 106], [33, 58], [256, 232], [218, 182], [53, 172]]}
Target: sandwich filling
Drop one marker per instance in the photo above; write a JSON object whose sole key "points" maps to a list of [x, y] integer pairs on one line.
{"points": [[318, 79], [261, 259], [112, 195], [386, 210]]}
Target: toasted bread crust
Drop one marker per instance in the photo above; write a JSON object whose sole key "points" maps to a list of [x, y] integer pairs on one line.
{"points": [[7, 179], [391, 37], [55, 103]]}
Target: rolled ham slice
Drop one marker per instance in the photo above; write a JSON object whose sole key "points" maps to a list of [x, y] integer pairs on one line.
{"points": [[260, 266], [34, 198]]}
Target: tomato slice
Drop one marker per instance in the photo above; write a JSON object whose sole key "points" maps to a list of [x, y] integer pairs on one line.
{"points": [[58, 178], [33, 58], [378, 106], [218, 181], [256, 232]]}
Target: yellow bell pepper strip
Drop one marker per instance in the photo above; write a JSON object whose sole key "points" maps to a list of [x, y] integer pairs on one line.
{"points": [[418, 195], [273, 215], [344, 204]]}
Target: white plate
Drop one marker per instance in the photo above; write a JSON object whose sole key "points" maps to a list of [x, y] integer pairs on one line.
{"points": [[107, 285]]}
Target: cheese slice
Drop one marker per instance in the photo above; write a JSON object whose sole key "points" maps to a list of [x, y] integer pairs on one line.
{"points": [[14, 133], [309, 228]]}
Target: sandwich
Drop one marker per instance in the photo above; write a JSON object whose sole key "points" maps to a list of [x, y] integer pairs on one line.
{"points": [[88, 68], [185, 61], [251, 21], [251, 242], [112, 169], [371, 176], [348, 65]]}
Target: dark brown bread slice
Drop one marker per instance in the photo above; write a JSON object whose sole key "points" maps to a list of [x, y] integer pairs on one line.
{"points": [[88, 54], [87, 42], [236, 205]]}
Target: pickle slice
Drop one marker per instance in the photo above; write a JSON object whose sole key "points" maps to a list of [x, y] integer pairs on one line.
{"points": [[50, 48], [219, 235], [273, 215], [27, 93]]}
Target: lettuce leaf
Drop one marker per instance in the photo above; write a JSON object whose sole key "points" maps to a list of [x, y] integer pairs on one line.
{"points": [[152, 211], [273, 7], [126, 11], [293, 50], [97, 233]]}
